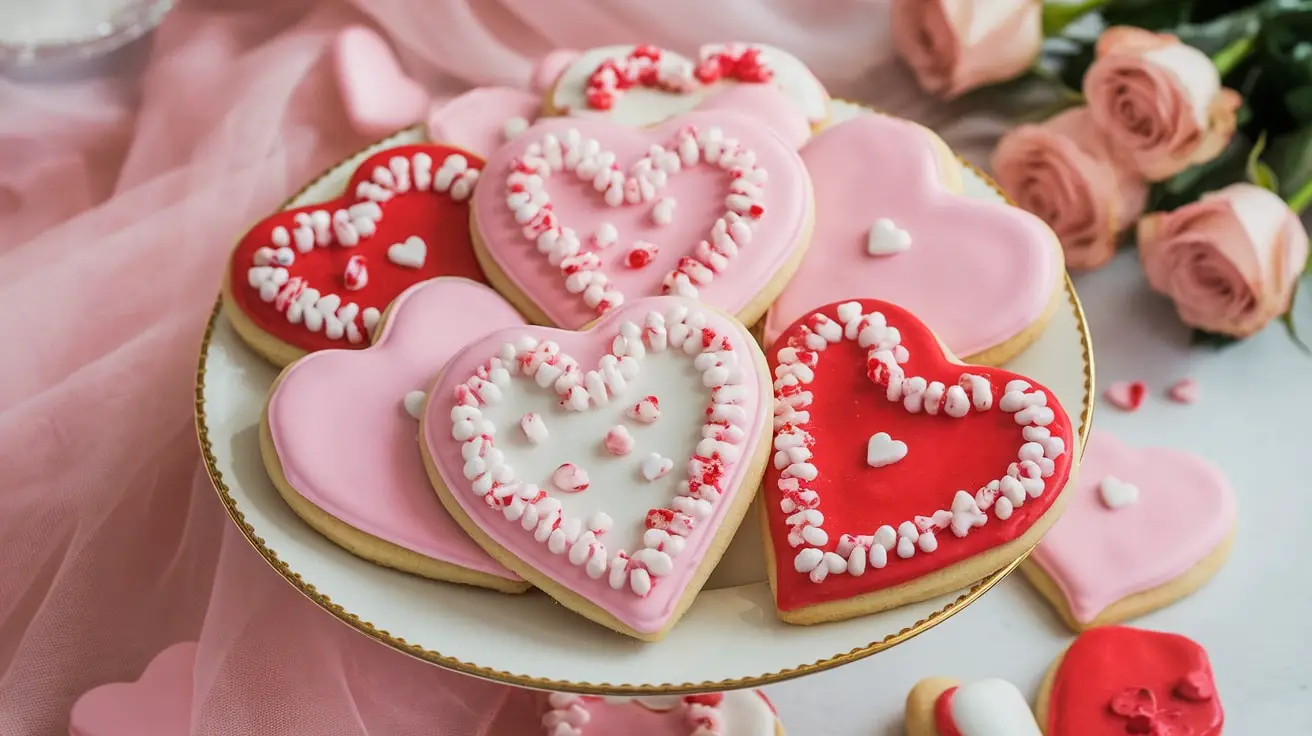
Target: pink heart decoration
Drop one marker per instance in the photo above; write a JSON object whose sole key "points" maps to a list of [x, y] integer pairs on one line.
{"points": [[379, 97], [977, 272], [630, 545], [343, 435], [738, 712], [1098, 555], [721, 227], [483, 119], [157, 704]]}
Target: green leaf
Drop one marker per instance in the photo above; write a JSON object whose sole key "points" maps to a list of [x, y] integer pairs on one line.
{"points": [[1155, 15], [1299, 103], [1288, 320], [1227, 39], [1056, 16], [1211, 339], [1257, 171], [1290, 157]]}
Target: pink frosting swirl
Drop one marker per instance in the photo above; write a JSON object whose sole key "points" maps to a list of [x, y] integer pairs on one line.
{"points": [[1065, 172], [1159, 101], [958, 45], [1229, 261]]}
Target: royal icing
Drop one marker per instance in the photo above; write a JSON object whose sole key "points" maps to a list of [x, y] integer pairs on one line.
{"points": [[1119, 680], [643, 85], [734, 713], [319, 276], [341, 421], [986, 454], [1184, 508], [483, 119], [989, 707], [703, 369], [573, 199], [980, 272]]}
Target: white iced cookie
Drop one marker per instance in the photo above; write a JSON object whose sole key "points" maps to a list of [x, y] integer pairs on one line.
{"points": [[643, 85]]}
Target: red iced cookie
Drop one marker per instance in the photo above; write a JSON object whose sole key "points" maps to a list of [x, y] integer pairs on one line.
{"points": [[1117, 680], [319, 276], [899, 474]]}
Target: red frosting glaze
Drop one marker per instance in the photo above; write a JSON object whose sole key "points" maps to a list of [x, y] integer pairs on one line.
{"points": [[442, 222], [943, 721], [1118, 680], [944, 455]]}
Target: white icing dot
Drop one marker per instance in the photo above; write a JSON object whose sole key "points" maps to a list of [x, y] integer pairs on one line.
{"points": [[886, 238], [414, 403], [514, 127], [1117, 493], [654, 466]]}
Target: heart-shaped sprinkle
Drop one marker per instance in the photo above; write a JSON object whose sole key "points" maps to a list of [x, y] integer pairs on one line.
{"points": [[414, 403], [1116, 493], [605, 236], [887, 239], [1183, 391], [619, 441], [654, 466], [646, 411], [884, 450], [410, 254], [1196, 687], [570, 478], [1126, 395], [534, 428]]}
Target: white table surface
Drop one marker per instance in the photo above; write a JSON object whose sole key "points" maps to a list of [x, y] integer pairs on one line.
{"points": [[1251, 420]]}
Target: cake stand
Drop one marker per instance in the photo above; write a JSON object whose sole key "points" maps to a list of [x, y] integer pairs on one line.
{"points": [[730, 637]]}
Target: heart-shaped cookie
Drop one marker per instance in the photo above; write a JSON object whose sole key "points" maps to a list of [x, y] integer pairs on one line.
{"points": [[515, 436], [987, 455], [890, 224], [339, 440], [1178, 510], [319, 276], [941, 706], [379, 97], [1117, 680], [579, 216], [733, 713], [645, 85], [157, 704], [485, 118]]}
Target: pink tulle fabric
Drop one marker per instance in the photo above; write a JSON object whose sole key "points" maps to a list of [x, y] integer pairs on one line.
{"points": [[121, 190]]}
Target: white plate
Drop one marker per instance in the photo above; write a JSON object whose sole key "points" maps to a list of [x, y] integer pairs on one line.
{"points": [[529, 640]]}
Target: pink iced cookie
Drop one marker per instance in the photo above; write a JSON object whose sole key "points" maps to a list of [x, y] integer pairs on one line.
{"points": [[619, 538], [1143, 528], [735, 713], [157, 704], [339, 436], [378, 95], [890, 225], [719, 204], [645, 85], [483, 119]]}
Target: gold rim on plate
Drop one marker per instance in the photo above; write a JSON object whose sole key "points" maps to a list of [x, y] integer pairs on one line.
{"points": [[605, 688]]}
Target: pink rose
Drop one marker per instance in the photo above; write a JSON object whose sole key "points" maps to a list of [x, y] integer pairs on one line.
{"points": [[1065, 172], [1159, 101], [1229, 260], [958, 45]]}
